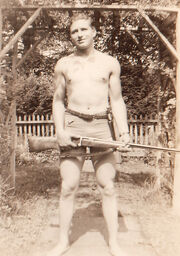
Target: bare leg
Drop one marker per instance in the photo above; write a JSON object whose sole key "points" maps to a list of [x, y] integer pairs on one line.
{"points": [[105, 174], [70, 174]]}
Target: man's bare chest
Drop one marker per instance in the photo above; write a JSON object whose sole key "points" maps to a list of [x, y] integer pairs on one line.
{"points": [[88, 71]]}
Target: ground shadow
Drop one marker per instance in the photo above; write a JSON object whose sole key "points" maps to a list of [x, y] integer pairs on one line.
{"points": [[39, 178], [90, 219], [138, 179]]}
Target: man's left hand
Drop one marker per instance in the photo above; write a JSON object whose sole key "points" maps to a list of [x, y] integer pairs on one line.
{"points": [[125, 139]]}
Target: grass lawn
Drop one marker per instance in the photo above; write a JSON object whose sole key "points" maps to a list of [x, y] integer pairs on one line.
{"points": [[37, 181]]}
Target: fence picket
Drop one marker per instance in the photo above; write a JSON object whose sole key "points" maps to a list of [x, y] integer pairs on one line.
{"points": [[141, 137], [19, 118], [135, 131], [143, 129], [33, 126], [26, 124], [43, 127], [52, 126], [38, 128]]}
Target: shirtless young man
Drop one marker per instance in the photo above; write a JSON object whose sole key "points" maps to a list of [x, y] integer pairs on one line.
{"points": [[88, 78]]}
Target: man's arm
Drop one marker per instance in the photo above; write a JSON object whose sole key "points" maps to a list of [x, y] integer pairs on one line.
{"points": [[58, 99], [63, 138], [117, 103]]}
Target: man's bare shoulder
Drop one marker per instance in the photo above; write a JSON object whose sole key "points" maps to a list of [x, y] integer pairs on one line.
{"points": [[110, 61], [106, 57], [63, 62]]}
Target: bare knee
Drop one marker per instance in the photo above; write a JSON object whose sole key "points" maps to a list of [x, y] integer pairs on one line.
{"points": [[68, 190], [108, 190]]}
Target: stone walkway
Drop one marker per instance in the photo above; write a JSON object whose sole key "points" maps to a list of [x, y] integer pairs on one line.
{"points": [[88, 233]]}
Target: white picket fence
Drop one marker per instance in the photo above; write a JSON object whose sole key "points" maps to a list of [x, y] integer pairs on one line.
{"points": [[143, 129]]}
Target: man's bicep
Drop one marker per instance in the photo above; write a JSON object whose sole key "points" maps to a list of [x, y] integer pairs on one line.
{"points": [[59, 81], [115, 82], [58, 75], [115, 86], [59, 94]]}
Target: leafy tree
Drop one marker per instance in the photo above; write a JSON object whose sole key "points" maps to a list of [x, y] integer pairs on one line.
{"points": [[148, 70], [144, 60]]}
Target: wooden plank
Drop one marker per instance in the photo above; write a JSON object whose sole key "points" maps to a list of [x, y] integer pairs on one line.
{"points": [[1, 39], [152, 137], [38, 126], [43, 126], [176, 198], [136, 131], [20, 128], [46, 126], [97, 7], [19, 33], [141, 131], [25, 126], [29, 126], [13, 124], [32, 126], [165, 41], [52, 125], [35, 121], [131, 128]]}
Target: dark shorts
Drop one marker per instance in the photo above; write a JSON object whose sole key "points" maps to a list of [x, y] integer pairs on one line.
{"points": [[95, 128]]}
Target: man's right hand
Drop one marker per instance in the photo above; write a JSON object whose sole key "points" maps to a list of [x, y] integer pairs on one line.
{"points": [[64, 139]]}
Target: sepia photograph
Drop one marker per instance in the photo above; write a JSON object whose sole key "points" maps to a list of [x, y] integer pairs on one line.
{"points": [[90, 127]]}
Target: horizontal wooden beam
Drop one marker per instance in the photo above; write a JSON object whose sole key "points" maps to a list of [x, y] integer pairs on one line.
{"points": [[164, 40], [19, 33], [112, 7]]}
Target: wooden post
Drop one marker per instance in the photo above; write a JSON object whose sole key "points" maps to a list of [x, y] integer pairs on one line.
{"points": [[1, 21], [169, 46], [19, 33], [176, 198], [13, 122]]}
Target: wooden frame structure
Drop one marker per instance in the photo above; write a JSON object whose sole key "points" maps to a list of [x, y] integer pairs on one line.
{"points": [[174, 52]]}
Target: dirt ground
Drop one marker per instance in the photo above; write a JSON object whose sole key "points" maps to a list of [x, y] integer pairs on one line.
{"points": [[38, 185]]}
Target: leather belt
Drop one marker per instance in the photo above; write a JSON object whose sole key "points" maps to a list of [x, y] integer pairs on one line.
{"points": [[102, 115]]}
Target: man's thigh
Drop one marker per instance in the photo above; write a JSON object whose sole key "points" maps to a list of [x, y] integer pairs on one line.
{"points": [[70, 169], [105, 169]]}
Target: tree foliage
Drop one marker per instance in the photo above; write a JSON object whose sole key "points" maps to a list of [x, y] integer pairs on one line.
{"points": [[145, 62], [34, 94]]}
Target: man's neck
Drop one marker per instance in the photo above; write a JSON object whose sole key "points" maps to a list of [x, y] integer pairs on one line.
{"points": [[85, 52]]}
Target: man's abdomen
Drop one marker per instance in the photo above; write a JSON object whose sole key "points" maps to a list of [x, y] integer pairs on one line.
{"points": [[88, 99]]}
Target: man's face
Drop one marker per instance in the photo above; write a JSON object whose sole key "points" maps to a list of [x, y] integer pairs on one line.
{"points": [[82, 33]]}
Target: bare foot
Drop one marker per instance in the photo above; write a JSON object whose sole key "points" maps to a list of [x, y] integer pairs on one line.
{"points": [[58, 250], [115, 250]]}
